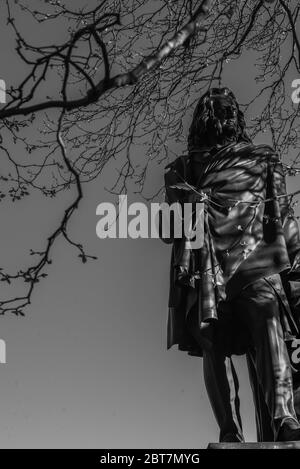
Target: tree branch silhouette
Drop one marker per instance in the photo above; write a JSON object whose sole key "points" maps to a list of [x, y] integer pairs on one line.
{"points": [[125, 75]]}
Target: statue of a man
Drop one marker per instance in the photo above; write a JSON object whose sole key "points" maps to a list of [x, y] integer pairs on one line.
{"points": [[228, 296]]}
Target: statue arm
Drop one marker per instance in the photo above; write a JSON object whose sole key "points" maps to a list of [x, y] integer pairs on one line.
{"points": [[172, 196], [178, 192], [289, 221]]}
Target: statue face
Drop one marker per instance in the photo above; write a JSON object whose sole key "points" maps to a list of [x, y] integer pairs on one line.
{"points": [[226, 112], [217, 121]]}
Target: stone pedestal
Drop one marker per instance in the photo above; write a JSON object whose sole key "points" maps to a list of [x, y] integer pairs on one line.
{"points": [[266, 445]]}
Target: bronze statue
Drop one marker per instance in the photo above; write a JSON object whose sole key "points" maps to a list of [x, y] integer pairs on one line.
{"points": [[231, 296]]}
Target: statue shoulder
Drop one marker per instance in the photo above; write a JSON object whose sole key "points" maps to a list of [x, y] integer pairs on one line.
{"points": [[179, 165], [260, 152], [266, 151]]}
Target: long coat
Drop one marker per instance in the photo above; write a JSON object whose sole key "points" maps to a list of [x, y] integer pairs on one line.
{"points": [[249, 232]]}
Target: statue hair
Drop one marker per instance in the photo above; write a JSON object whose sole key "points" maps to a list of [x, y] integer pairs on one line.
{"points": [[206, 127]]}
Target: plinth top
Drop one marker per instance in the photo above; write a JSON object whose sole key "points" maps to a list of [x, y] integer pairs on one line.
{"points": [[262, 445]]}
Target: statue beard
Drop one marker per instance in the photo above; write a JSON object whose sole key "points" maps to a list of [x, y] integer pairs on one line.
{"points": [[226, 132]]}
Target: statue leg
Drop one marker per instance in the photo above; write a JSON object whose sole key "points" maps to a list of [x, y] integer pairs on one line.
{"points": [[263, 421], [297, 401], [296, 381], [222, 388], [259, 311], [221, 382]]}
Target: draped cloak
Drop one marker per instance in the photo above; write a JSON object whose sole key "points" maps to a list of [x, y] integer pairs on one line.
{"points": [[249, 232]]}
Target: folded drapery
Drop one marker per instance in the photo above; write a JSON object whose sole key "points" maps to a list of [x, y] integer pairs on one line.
{"points": [[245, 238]]}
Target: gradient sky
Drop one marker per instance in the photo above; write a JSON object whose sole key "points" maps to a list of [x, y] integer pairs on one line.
{"points": [[87, 366]]}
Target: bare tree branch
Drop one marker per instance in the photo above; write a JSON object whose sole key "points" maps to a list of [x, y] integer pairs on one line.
{"points": [[124, 77], [128, 78]]}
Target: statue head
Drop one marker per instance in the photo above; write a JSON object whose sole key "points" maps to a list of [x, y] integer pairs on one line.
{"points": [[217, 121]]}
